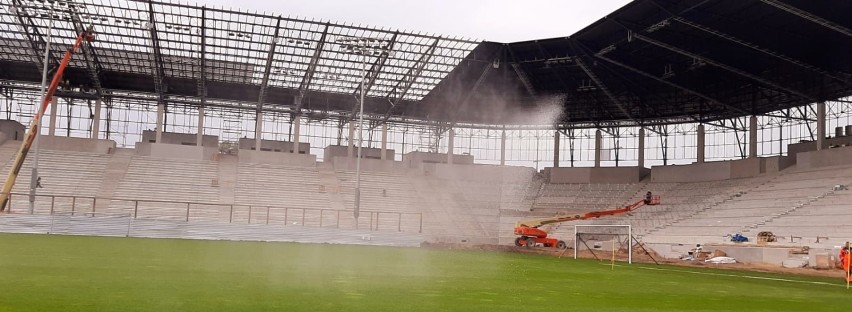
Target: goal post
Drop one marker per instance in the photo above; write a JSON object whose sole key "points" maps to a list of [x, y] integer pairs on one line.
{"points": [[622, 235]]}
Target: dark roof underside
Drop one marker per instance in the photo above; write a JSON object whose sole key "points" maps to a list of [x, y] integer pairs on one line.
{"points": [[662, 61]]}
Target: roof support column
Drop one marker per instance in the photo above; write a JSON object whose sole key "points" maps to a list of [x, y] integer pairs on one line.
{"points": [[598, 143], [752, 136], [450, 145], [161, 115], [350, 150], [96, 119], [556, 149], [297, 125], [51, 129], [700, 144], [199, 139], [258, 130], [820, 117], [384, 141], [640, 153], [503, 147]]}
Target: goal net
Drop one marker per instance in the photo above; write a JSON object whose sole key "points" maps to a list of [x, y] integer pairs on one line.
{"points": [[91, 223], [604, 242]]}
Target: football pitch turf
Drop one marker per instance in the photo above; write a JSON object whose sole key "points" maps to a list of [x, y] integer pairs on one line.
{"points": [[74, 273]]}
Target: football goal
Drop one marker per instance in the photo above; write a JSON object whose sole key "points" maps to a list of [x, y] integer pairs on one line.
{"points": [[606, 242]]}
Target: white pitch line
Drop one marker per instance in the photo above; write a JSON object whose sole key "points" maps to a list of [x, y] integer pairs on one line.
{"points": [[734, 275]]}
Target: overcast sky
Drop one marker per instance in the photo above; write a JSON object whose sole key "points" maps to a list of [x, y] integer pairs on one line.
{"points": [[496, 20]]}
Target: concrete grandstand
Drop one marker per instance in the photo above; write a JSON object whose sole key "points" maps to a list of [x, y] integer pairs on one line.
{"points": [[177, 122]]}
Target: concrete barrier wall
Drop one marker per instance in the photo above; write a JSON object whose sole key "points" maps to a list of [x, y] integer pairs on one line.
{"points": [[273, 146], [333, 151], [570, 175], [747, 168], [473, 172], [367, 164], [190, 139], [163, 150], [810, 146], [829, 157], [597, 175], [414, 159], [12, 130], [277, 158], [778, 163], [710, 171], [77, 144]]}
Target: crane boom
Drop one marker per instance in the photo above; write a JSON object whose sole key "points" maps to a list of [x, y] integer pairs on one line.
{"points": [[530, 234], [6, 193]]}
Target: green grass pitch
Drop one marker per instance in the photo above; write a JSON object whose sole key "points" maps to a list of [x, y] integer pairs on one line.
{"points": [[67, 273]]}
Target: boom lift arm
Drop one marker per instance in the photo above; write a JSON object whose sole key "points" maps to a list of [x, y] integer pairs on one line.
{"points": [[529, 233], [6, 193]]}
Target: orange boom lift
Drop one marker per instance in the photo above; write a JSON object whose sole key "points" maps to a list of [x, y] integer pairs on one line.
{"points": [[529, 234], [6, 193]]}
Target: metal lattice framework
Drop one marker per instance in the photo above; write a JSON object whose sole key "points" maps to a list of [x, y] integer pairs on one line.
{"points": [[176, 50], [649, 63]]}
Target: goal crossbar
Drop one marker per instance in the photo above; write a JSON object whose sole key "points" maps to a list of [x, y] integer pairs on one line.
{"points": [[629, 234]]}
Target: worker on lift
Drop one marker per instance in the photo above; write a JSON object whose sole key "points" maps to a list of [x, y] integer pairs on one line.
{"points": [[648, 197]]}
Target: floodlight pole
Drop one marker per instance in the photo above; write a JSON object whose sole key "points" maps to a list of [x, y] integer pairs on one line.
{"points": [[360, 137], [34, 174]]}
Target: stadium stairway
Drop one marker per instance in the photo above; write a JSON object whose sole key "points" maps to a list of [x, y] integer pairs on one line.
{"points": [[278, 186], [227, 178], [331, 185], [115, 170]]}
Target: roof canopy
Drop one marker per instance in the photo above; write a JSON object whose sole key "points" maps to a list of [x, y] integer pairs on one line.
{"points": [[649, 62]]}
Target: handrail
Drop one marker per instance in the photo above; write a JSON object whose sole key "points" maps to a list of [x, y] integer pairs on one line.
{"points": [[304, 211]]}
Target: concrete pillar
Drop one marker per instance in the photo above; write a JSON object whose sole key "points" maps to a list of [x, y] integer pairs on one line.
{"points": [[752, 137], [598, 144], [96, 120], [700, 145], [199, 136], [51, 130], [820, 117], [641, 152], [161, 114], [556, 149], [258, 130], [297, 126], [503, 148], [350, 150], [384, 141], [450, 145]]}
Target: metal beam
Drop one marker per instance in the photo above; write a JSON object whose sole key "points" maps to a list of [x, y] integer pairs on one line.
{"points": [[402, 86], [90, 57], [35, 38], [376, 68], [476, 84], [309, 73], [669, 83], [808, 16], [722, 66], [603, 88], [576, 44], [202, 62], [270, 57], [519, 71], [758, 48], [157, 61], [790, 117]]}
